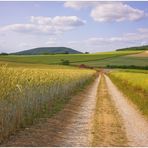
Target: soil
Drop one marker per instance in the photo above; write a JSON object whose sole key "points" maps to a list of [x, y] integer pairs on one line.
{"points": [[143, 54]]}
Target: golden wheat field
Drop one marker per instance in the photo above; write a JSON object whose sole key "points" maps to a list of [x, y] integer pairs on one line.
{"points": [[27, 93]]}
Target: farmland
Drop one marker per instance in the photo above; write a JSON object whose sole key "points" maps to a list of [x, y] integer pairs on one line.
{"points": [[119, 61], [73, 73], [36, 87], [26, 94], [135, 85], [74, 59]]}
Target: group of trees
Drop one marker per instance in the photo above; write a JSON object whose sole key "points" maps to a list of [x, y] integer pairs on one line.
{"points": [[3, 53], [66, 52], [128, 67]]}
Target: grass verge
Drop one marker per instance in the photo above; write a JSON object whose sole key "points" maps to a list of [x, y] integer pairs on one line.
{"points": [[134, 93]]}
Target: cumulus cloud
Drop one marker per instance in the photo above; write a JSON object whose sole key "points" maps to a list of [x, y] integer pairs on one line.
{"points": [[46, 25], [116, 11], [109, 11]]}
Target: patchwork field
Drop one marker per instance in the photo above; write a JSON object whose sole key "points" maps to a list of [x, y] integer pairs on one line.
{"points": [[39, 87], [119, 61], [75, 59], [73, 73]]}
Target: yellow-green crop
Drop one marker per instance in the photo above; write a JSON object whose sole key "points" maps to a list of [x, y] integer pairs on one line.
{"points": [[135, 86], [27, 93]]}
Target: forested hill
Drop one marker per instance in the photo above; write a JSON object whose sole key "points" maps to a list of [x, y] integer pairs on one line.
{"points": [[48, 50]]}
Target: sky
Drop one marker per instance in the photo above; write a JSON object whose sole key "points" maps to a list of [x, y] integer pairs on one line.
{"points": [[87, 26]]}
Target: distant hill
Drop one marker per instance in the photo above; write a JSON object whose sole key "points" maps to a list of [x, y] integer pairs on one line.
{"points": [[47, 50], [134, 48]]}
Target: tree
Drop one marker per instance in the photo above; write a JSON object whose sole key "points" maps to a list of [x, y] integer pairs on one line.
{"points": [[65, 62]]}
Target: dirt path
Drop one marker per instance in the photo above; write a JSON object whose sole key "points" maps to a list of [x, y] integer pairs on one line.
{"points": [[136, 126], [70, 127], [108, 128]]}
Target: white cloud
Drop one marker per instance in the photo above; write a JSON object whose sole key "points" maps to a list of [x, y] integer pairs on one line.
{"points": [[46, 25], [116, 11], [127, 39], [141, 36], [98, 41], [109, 11], [79, 4]]}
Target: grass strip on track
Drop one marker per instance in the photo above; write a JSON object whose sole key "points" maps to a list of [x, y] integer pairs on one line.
{"points": [[108, 129]]}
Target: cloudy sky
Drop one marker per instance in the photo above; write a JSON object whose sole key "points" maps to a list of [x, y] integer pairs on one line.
{"points": [[84, 26]]}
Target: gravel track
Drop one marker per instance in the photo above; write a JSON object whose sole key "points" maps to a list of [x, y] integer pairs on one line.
{"points": [[135, 125]]}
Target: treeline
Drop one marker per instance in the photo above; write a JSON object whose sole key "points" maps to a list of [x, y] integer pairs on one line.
{"points": [[128, 67], [66, 52], [4, 53], [134, 48]]}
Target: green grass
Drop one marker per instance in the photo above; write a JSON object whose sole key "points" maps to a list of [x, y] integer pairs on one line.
{"points": [[75, 59], [134, 85], [134, 70], [34, 66], [124, 60]]}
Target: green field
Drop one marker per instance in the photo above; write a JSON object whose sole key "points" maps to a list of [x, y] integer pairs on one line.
{"points": [[34, 66], [98, 59], [124, 60]]}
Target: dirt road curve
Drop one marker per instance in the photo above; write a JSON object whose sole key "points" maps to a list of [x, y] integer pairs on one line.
{"points": [[136, 126], [70, 127]]}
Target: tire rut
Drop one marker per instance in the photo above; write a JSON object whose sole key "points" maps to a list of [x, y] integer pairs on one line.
{"points": [[135, 125]]}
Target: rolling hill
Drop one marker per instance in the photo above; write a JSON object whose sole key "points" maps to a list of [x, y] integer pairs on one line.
{"points": [[134, 48], [96, 60], [47, 50]]}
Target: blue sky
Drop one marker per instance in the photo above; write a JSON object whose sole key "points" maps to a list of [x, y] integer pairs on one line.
{"points": [[84, 26]]}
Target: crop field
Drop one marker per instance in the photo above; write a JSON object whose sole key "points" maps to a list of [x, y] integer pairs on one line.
{"points": [[28, 93], [75, 77], [34, 66], [142, 54], [134, 70], [34, 88], [74, 59], [135, 85], [119, 61]]}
